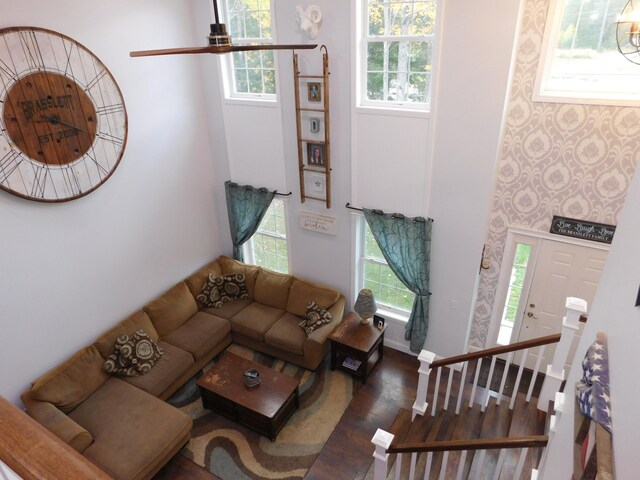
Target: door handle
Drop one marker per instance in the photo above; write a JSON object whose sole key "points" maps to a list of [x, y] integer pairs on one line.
{"points": [[530, 315]]}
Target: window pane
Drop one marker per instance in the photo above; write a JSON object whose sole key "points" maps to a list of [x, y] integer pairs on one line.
{"points": [[387, 289], [269, 244], [585, 57], [399, 71], [249, 21]]}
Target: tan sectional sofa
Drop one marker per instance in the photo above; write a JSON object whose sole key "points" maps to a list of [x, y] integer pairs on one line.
{"points": [[121, 423]]}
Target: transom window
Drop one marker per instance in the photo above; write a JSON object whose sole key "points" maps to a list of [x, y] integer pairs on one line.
{"points": [[252, 74], [376, 274], [268, 246], [397, 51], [581, 59]]}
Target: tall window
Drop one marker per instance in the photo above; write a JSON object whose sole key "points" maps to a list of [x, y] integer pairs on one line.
{"points": [[268, 246], [376, 274], [516, 282], [252, 74], [582, 61], [397, 50]]}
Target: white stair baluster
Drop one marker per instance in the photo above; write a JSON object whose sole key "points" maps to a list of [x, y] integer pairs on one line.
{"points": [[475, 382], [451, 369], [496, 474], [478, 473], [534, 376], [463, 459], [504, 377], [435, 392], [516, 387], [463, 379], [520, 465], [443, 467], [488, 385]]}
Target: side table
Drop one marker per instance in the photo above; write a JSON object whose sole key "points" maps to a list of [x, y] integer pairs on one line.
{"points": [[356, 348]]}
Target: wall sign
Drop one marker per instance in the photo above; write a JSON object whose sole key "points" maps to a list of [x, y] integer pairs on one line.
{"points": [[318, 223], [597, 232]]}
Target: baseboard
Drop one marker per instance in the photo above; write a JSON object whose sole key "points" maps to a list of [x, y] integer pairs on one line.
{"points": [[402, 347]]}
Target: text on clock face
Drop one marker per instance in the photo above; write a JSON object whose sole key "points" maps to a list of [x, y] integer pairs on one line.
{"points": [[33, 107], [72, 132]]}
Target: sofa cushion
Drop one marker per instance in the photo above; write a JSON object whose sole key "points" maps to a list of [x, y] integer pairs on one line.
{"points": [[272, 289], [287, 335], [229, 265], [195, 282], [72, 382], [302, 293], [315, 317], [133, 430], [221, 289], [199, 334], [172, 309], [134, 322], [229, 309], [255, 320], [167, 370], [133, 355]]}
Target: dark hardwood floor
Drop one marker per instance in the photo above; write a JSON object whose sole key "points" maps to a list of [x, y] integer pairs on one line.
{"points": [[392, 385]]}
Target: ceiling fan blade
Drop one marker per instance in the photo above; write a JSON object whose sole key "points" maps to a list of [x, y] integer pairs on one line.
{"points": [[219, 49]]}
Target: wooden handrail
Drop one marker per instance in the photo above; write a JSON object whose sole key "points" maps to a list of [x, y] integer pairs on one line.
{"points": [[583, 318], [473, 444], [535, 342], [34, 453]]}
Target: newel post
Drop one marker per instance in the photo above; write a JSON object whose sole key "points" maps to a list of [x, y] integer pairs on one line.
{"points": [[382, 440], [420, 405], [555, 371]]}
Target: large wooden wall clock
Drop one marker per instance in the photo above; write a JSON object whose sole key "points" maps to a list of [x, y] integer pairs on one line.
{"points": [[63, 122]]}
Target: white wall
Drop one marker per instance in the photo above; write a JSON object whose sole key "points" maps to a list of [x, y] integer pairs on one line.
{"points": [[391, 166], [476, 57], [71, 270], [614, 313]]}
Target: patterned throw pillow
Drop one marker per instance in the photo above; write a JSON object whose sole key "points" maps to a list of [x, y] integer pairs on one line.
{"points": [[133, 356], [219, 290], [315, 317]]}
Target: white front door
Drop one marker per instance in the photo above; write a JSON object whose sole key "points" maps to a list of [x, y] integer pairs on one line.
{"points": [[561, 270]]}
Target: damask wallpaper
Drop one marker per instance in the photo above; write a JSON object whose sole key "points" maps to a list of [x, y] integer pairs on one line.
{"points": [[556, 159]]}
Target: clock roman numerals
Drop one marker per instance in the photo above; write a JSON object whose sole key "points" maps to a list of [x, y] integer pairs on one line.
{"points": [[39, 182], [110, 138], [95, 80], [31, 50], [110, 109], [8, 164], [7, 73]]}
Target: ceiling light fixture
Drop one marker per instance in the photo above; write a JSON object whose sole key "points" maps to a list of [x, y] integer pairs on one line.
{"points": [[628, 32]]}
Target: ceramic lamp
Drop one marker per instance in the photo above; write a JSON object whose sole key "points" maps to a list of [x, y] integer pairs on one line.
{"points": [[365, 305]]}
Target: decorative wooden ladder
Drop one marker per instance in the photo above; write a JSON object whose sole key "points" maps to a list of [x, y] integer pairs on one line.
{"points": [[482, 436]]}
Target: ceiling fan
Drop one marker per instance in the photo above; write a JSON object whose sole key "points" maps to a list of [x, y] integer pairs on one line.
{"points": [[219, 42]]}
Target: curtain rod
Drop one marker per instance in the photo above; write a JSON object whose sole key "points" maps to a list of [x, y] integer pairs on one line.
{"points": [[348, 205], [251, 187], [283, 194]]}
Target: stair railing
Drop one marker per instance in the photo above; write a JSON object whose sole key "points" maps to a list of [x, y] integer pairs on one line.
{"points": [[458, 366], [480, 445]]}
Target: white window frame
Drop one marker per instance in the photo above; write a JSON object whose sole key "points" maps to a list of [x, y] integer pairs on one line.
{"points": [[360, 263], [543, 94], [361, 40], [228, 72], [248, 247]]}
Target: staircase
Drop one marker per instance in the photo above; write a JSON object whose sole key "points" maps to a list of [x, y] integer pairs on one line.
{"points": [[478, 415]]}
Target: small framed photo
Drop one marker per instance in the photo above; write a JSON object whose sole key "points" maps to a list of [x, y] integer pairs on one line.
{"points": [[378, 321], [314, 93], [315, 154]]}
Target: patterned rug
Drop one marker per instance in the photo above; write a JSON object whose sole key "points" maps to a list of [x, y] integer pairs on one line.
{"points": [[233, 452]]}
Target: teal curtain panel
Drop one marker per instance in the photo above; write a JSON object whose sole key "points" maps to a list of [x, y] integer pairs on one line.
{"points": [[246, 206], [406, 245]]}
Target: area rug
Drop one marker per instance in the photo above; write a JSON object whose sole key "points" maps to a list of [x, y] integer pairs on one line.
{"points": [[233, 452]]}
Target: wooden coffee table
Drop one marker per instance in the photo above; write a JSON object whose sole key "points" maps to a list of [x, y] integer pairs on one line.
{"points": [[357, 342], [264, 408]]}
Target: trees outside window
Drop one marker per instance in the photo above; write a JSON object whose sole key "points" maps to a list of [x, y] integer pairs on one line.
{"points": [[580, 59], [398, 39], [251, 73], [268, 246], [388, 290]]}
